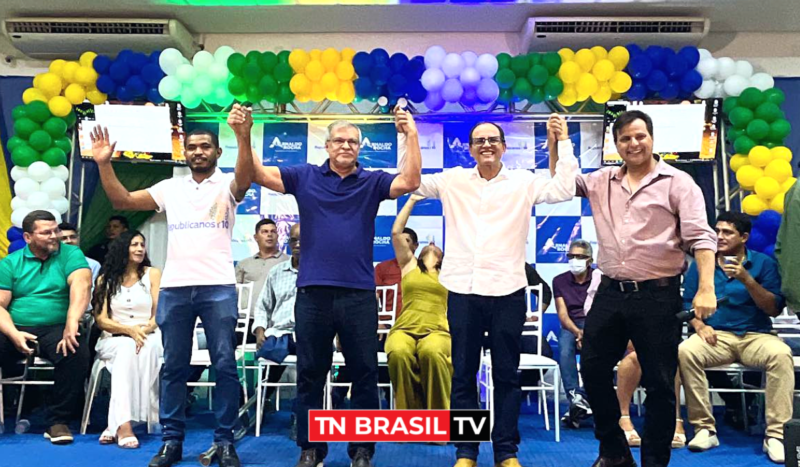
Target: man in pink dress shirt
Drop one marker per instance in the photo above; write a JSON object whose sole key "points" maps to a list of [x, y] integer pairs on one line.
{"points": [[647, 215]]}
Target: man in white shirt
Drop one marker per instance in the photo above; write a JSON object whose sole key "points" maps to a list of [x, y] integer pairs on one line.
{"points": [[198, 278], [256, 268], [487, 212]]}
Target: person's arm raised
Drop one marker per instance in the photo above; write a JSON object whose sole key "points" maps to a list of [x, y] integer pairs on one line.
{"points": [[241, 122], [120, 197], [402, 250], [411, 171]]}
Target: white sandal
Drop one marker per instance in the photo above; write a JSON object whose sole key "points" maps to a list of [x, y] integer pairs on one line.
{"points": [[678, 439], [107, 437], [128, 442], [631, 436]]}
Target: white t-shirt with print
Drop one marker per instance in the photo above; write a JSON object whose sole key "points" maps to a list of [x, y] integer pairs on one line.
{"points": [[200, 219]]}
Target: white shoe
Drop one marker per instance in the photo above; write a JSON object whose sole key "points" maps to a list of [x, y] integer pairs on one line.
{"points": [[703, 441], [774, 449]]}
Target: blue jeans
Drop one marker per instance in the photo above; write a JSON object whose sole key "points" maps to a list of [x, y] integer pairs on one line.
{"points": [[567, 361], [178, 309]]}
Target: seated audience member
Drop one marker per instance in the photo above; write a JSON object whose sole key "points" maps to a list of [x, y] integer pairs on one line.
{"points": [[71, 236], [125, 302], [572, 290], [115, 226], [256, 268], [273, 324], [388, 272], [529, 343], [418, 345], [535, 279], [740, 331], [44, 293]]}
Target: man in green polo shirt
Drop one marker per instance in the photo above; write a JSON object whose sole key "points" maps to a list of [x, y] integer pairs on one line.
{"points": [[44, 291]]}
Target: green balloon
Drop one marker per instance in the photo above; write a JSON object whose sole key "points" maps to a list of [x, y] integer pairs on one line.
{"points": [[71, 119], [552, 61], [771, 144], [734, 133], [537, 75], [55, 127], [503, 60], [751, 98], [64, 144], [40, 140], [267, 86], [757, 129], [23, 156], [283, 73], [272, 98], [520, 65], [537, 96], [252, 73], [285, 94], [779, 129], [253, 56], [774, 95], [522, 89], [254, 94], [768, 111], [236, 63], [14, 142], [237, 86], [19, 112], [743, 144], [283, 57], [38, 111], [729, 104], [505, 78], [505, 96], [740, 117], [25, 127], [268, 61], [552, 88], [55, 157], [535, 58]]}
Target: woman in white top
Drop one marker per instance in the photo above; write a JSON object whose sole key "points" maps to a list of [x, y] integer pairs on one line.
{"points": [[125, 298]]}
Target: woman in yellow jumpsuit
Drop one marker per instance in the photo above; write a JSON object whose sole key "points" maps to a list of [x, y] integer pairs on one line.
{"points": [[418, 346]]}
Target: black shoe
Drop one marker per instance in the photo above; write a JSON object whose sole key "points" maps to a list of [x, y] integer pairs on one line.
{"points": [[168, 454], [624, 461], [226, 456], [361, 459], [309, 458], [570, 422]]}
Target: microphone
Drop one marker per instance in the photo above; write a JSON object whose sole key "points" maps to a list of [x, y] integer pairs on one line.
{"points": [[688, 315]]}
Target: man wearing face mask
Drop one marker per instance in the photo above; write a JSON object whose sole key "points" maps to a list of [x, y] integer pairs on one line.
{"points": [[574, 291]]}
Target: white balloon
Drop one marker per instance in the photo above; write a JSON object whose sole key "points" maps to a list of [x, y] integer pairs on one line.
{"points": [[706, 89], [18, 216], [61, 205], [708, 67], [54, 188], [221, 54], [61, 171], [202, 60], [169, 60], [469, 57], [38, 200], [18, 203], [704, 53], [744, 68], [487, 65], [434, 56], [719, 89], [452, 65], [734, 85], [762, 81], [25, 187], [18, 173], [726, 68], [39, 171], [55, 214]]}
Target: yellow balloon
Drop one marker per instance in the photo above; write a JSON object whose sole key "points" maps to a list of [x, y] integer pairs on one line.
{"points": [[779, 169], [315, 70], [36, 80], [57, 66], [585, 59], [760, 156], [737, 161], [753, 205], [587, 85], [766, 188], [317, 94], [329, 82], [330, 58], [568, 96], [345, 71], [748, 175], [315, 54], [619, 56], [300, 85], [33, 94], [332, 96], [787, 184], [75, 94], [50, 84], [348, 54], [96, 97], [603, 70], [298, 60], [620, 82], [567, 55], [68, 73], [85, 76], [59, 106], [303, 98], [777, 203], [781, 152], [602, 95], [569, 72], [599, 52], [87, 59], [346, 92]]}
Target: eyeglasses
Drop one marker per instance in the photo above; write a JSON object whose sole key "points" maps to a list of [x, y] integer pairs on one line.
{"points": [[339, 142], [494, 141], [575, 256], [294, 240]]}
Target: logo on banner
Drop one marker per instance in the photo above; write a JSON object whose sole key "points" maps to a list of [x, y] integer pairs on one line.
{"points": [[553, 237], [456, 145], [381, 146], [428, 145], [398, 425], [286, 145]]}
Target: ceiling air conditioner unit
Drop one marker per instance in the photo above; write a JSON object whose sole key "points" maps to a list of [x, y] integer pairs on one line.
{"points": [[50, 38], [553, 33]]}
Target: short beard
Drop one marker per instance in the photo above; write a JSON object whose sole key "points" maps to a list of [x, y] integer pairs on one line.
{"points": [[203, 170]]}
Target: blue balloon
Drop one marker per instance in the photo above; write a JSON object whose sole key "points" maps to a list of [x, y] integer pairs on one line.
{"points": [[14, 233], [691, 81], [637, 92], [656, 80], [398, 85], [416, 93], [106, 84], [675, 66], [364, 87], [657, 54], [758, 241], [124, 95], [137, 61], [124, 55], [101, 64], [154, 96], [768, 223], [119, 71], [155, 56], [691, 55], [380, 75], [380, 57], [16, 245], [363, 63], [152, 74], [640, 66], [136, 86], [397, 62], [414, 68], [670, 91], [380, 90], [634, 49]]}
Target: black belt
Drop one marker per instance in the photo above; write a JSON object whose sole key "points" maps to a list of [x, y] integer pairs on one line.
{"points": [[636, 286]]}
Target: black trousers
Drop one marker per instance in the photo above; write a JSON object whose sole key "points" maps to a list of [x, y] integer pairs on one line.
{"points": [[70, 372], [648, 319]]}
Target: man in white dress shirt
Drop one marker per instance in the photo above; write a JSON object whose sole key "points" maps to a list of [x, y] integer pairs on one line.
{"points": [[487, 211]]}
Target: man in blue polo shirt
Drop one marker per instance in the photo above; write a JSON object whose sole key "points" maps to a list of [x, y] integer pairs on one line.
{"points": [[740, 331], [338, 202]]}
